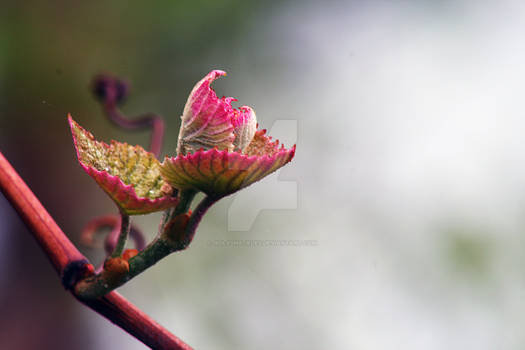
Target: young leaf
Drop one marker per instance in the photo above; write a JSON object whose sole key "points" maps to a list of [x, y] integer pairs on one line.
{"points": [[128, 174], [206, 121], [220, 173]]}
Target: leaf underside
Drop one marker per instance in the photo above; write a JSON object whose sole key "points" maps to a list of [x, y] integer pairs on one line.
{"points": [[220, 173]]}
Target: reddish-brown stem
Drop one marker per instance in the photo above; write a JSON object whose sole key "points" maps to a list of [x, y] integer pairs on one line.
{"points": [[65, 257], [53, 241], [127, 316]]}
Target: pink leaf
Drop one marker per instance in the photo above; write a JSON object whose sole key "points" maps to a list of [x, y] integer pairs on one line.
{"points": [[128, 174], [206, 120]]}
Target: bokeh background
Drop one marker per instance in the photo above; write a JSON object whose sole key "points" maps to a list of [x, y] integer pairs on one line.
{"points": [[409, 171]]}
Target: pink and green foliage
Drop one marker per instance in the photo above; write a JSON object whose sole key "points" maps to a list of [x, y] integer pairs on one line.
{"points": [[219, 152], [219, 149], [128, 174], [220, 173]]}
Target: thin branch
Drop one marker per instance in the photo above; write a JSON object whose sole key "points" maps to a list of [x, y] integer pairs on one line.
{"points": [[196, 218], [123, 236], [71, 264], [172, 238], [112, 222], [127, 316]]}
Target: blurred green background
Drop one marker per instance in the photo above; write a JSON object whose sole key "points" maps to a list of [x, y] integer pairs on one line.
{"points": [[408, 178]]}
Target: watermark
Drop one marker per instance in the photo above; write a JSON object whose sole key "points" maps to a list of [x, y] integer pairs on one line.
{"points": [[262, 243], [271, 193]]}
